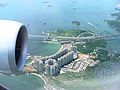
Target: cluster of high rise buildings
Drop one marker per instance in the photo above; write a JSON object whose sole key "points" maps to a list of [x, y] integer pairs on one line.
{"points": [[58, 60], [52, 65]]}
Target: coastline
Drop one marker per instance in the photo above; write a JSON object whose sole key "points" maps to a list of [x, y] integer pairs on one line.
{"points": [[40, 76], [55, 43], [47, 86]]}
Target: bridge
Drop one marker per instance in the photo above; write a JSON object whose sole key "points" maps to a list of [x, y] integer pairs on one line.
{"points": [[59, 38], [36, 36], [40, 38]]}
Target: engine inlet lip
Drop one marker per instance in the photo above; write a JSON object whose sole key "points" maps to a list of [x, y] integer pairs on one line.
{"points": [[21, 48], [17, 63]]}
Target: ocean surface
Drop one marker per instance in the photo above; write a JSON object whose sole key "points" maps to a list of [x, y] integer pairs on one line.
{"points": [[47, 15], [41, 15]]}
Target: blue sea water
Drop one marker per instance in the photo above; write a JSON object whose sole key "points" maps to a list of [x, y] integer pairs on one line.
{"points": [[40, 15], [58, 14]]}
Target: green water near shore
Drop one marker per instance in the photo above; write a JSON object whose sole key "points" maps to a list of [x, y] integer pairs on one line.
{"points": [[22, 82], [30, 82], [43, 49]]}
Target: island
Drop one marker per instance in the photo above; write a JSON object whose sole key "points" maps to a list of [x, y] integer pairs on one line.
{"points": [[81, 51], [115, 24]]}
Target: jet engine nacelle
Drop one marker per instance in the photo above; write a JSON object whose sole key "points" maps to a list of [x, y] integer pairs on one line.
{"points": [[13, 46]]}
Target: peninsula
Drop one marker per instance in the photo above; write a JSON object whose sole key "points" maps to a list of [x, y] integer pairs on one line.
{"points": [[80, 50]]}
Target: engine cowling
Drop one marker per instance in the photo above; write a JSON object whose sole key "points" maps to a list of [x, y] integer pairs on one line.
{"points": [[13, 46]]}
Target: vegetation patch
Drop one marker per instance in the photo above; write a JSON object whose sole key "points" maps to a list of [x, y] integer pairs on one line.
{"points": [[67, 33], [115, 24], [71, 76]]}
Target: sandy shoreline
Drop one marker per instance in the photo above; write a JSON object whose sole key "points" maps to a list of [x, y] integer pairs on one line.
{"points": [[46, 86]]}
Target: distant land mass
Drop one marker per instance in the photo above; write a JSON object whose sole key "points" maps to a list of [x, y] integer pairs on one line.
{"points": [[70, 33], [115, 23]]}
